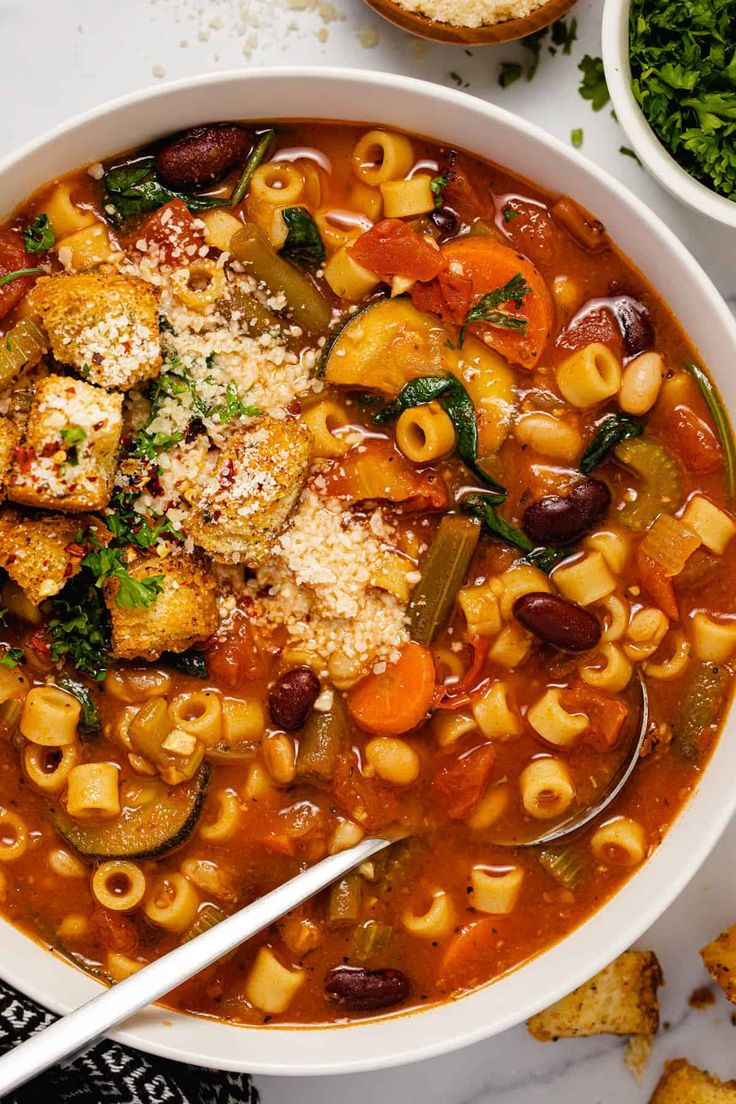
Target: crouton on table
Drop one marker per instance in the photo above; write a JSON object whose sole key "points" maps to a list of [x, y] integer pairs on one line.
{"points": [[682, 1083], [41, 553], [67, 458], [183, 614], [719, 957], [102, 324], [620, 1000], [243, 507]]}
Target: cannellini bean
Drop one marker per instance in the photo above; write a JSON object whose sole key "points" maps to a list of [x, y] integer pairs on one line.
{"points": [[641, 383]]}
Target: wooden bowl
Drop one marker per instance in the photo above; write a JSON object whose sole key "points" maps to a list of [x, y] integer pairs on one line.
{"points": [[487, 35]]}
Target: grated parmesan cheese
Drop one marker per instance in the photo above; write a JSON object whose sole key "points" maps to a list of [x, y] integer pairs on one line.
{"points": [[471, 13]]}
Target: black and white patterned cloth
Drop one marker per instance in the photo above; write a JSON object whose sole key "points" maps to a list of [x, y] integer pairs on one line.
{"points": [[110, 1073]]}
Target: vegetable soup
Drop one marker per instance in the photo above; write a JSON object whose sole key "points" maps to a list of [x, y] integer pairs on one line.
{"points": [[351, 485]]}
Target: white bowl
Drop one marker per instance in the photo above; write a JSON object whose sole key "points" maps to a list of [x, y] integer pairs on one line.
{"points": [[454, 118], [653, 155]]}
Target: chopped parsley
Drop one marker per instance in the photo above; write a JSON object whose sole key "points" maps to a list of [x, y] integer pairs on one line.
{"points": [[561, 35], [73, 436], [487, 307], [437, 187], [593, 85], [628, 152], [39, 236], [564, 36], [18, 275], [509, 73], [12, 657], [79, 629], [233, 406], [576, 137], [509, 214], [458, 80], [106, 564], [683, 75]]}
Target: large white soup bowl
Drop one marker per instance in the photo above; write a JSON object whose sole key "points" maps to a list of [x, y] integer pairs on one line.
{"points": [[459, 120]]}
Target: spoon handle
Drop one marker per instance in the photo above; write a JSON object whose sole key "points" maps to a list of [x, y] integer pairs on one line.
{"points": [[75, 1032]]}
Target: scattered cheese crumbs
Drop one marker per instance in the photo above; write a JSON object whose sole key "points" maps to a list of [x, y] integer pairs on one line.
{"points": [[158, 71], [317, 585]]}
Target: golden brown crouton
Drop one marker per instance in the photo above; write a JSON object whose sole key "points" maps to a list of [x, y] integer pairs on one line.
{"points": [[41, 553], [720, 961], [8, 440], [66, 460], [682, 1083], [246, 503], [184, 613], [620, 1000], [103, 324]]}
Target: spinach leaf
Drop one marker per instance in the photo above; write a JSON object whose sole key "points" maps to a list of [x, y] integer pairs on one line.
{"points": [[303, 241], [613, 430], [89, 721], [190, 663], [39, 236], [459, 407], [486, 309], [135, 190], [12, 657]]}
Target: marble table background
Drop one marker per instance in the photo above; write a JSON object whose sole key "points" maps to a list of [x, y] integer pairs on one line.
{"points": [[59, 58]]}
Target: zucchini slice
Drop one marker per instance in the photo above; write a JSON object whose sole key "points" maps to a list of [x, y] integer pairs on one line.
{"points": [[389, 342], [144, 832]]}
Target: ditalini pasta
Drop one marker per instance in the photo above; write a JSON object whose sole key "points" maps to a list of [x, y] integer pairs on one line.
{"points": [[349, 485]]}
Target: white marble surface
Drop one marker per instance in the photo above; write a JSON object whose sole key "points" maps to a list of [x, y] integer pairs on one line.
{"points": [[60, 58]]}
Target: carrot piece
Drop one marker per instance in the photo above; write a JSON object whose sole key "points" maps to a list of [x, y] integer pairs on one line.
{"points": [[694, 441], [468, 951], [375, 470], [606, 714], [396, 700], [658, 586], [459, 780], [489, 265], [391, 248]]}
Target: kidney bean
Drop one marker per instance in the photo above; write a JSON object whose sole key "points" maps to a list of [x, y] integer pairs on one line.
{"points": [[204, 155], [292, 696], [363, 990], [557, 621], [558, 520], [635, 324], [446, 221]]}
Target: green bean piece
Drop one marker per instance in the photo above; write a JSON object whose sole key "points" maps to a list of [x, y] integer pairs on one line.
{"points": [[307, 306], [565, 864], [345, 900], [721, 420], [660, 489], [20, 348], [370, 940], [324, 736], [443, 573], [259, 318], [252, 162], [700, 707]]}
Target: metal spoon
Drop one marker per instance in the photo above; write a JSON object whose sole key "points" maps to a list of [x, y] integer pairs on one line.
{"points": [[74, 1033]]}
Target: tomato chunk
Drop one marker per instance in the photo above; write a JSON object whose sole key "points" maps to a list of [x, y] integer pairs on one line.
{"points": [[397, 699], [459, 780], [239, 656], [657, 584], [369, 801], [376, 471], [12, 258], [391, 248], [172, 228], [480, 265], [694, 441], [606, 714]]}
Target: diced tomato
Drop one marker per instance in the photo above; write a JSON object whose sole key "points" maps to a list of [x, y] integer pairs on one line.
{"points": [[459, 193], [592, 324], [450, 296], [530, 229], [13, 257], [489, 265], [40, 642], [391, 248], [369, 801], [113, 931], [460, 779], [606, 714], [376, 471], [172, 229], [458, 696], [657, 584], [465, 961], [240, 656], [694, 441]]}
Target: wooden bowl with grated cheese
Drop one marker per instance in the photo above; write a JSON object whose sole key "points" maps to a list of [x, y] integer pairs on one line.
{"points": [[463, 22]]}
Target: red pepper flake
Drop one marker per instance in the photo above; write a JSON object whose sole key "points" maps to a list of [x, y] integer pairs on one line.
{"points": [[24, 457]]}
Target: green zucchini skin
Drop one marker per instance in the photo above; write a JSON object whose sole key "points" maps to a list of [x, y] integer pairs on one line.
{"points": [[146, 833]]}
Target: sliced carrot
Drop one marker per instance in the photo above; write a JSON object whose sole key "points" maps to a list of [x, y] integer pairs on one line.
{"points": [[460, 779], [694, 441], [606, 714], [391, 248], [399, 698], [465, 961], [658, 586], [489, 265], [376, 471]]}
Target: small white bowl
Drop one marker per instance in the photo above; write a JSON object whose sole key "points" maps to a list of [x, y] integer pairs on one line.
{"points": [[650, 151]]}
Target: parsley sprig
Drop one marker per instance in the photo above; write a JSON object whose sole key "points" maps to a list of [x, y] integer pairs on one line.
{"points": [[39, 236], [106, 563], [487, 308]]}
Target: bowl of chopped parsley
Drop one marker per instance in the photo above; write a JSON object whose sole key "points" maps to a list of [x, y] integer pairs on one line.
{"points": [[671, 72]]}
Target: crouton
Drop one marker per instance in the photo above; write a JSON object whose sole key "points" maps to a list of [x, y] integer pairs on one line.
{"points": [[719, 957], [66, 460], [8, 440], [102, 324], [41, 553], [184, 613], [243, 507], [682, 1083], [620, 1000]]}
